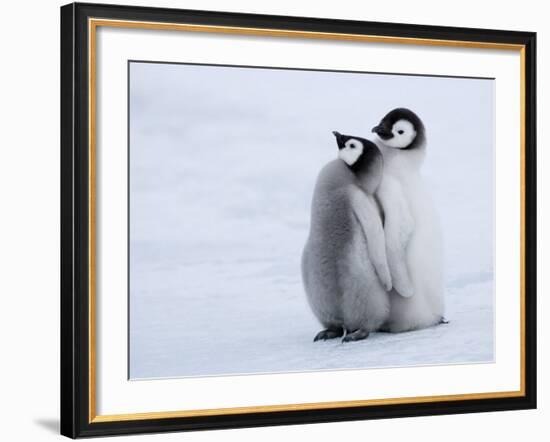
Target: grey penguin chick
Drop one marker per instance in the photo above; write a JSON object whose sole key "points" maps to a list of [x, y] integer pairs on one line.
{"points": [[344, 267]]}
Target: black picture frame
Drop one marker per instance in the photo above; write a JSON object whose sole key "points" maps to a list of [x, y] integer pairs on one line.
{"points": [[75, 221]]}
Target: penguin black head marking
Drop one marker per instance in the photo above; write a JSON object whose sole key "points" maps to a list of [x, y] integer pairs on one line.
{"points": [[402, 129], [356, 152]]}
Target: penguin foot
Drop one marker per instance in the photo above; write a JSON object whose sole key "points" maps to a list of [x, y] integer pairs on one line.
{"points": [[443, 321], [357, 335], [329, 333]]}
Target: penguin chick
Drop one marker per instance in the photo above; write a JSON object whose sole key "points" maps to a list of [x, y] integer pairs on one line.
{"points": [[414, 243], [344, 266]]}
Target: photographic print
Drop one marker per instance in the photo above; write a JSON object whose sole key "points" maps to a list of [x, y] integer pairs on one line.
{"points": [[288, 220], [271, 220]]}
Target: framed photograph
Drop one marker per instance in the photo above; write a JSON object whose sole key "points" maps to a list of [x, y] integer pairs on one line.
{"points": [[272, 220]]}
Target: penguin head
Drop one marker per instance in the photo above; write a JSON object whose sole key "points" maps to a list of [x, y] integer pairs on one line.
{"points": [[401, 129], [352, 149]]}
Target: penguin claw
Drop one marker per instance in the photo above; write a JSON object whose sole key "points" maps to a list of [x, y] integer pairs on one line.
{"points": [[443, 320], [357, 335], [329, 333]]}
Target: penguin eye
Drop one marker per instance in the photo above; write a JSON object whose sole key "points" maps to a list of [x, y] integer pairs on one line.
{"points": [[400, 131], [352, 146]]}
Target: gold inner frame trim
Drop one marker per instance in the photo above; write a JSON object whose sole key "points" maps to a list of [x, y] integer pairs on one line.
{"points": [[299, 34], [92, 28]]}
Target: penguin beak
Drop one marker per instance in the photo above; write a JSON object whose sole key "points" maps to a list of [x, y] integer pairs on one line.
{"points": [[338, 136], [383, 132]]}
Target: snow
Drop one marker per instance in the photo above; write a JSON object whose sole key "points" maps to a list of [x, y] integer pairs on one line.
{"points": [[260, 322], [222, 167]]}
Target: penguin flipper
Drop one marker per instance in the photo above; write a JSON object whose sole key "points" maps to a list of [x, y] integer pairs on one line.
{"points": [[398, 229], [367, 214]]}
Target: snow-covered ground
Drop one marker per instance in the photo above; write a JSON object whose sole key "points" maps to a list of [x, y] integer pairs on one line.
{"points": [[260, 322], [222, 167]]}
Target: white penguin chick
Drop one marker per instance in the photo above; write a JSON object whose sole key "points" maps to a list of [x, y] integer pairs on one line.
{"points": [[344, 267], [411, 225]]}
